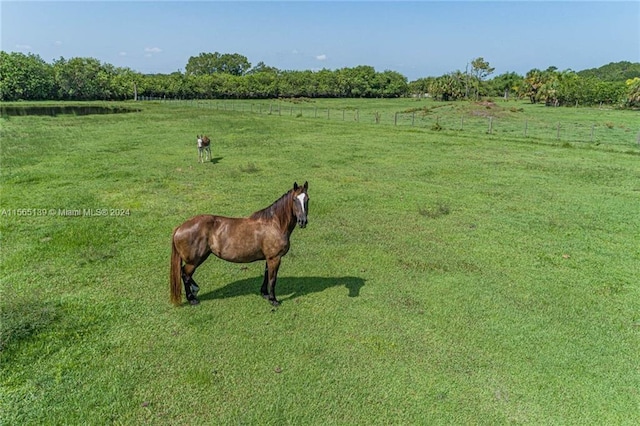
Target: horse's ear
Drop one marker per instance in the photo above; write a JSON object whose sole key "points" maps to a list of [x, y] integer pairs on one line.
{"points": [[306, 185], [295, 186]]}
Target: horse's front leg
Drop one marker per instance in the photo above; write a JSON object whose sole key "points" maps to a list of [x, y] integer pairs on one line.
{"points": [[272, 268], [264, 290]]}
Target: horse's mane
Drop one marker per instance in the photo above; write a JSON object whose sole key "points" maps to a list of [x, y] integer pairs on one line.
{"points": [[281, 208]]}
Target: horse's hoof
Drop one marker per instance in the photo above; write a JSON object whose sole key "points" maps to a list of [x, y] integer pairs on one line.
{"points": [[275, 303], [194, 302]]}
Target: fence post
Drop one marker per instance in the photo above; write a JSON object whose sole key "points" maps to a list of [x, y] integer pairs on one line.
{"points": [[413, 118], [592, 127], [462, 123], [490, 125], [395, 119], [526, 123], [327, 113], [315, 112]]}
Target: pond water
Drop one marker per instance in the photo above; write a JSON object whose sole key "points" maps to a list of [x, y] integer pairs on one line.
{"points": [[55, 110]]}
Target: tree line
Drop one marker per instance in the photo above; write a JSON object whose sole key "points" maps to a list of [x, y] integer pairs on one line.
{"points": [[225, 76], [551, 87]]}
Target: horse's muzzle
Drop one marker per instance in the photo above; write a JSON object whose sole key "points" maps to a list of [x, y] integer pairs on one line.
{"points": [[302, 222]]}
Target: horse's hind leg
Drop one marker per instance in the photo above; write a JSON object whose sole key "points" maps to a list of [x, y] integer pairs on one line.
{"points": [[191, 289]]}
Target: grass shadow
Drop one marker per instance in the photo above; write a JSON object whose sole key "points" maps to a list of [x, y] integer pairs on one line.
{"points": [[20, 320], [287, 288]]}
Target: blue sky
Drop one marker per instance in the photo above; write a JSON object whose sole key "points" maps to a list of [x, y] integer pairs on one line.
{"points": [[416, 39]]}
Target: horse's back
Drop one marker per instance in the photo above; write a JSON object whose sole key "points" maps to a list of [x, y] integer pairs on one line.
{"points": [[211, 222], [198, 222]]}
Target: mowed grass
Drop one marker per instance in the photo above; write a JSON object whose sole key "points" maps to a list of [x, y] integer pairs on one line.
{"points": [[442, 278]]}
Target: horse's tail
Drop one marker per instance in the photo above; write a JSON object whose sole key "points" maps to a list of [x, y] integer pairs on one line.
{"points": [[176, 273]]}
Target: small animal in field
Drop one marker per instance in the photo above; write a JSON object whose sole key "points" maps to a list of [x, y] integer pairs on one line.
{"points": [[262, 236], [204, 148]]}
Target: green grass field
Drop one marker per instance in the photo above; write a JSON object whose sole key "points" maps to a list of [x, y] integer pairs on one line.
{"points": [[445, 277], [604, 128]]}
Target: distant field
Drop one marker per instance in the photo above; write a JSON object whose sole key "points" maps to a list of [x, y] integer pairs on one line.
{"points": [[446, 275], [514, 120]]}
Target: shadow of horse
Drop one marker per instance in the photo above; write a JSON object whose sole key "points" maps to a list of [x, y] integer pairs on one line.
{"points": [[289, 288], [215, 160]]}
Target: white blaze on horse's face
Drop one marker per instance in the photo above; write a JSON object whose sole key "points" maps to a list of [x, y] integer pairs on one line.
{"points": [[302, 199]]}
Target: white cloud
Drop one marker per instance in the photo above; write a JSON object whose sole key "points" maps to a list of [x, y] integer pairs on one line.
{"points": [[152, 49], [122, 54], [23, 47], [322, 57]]}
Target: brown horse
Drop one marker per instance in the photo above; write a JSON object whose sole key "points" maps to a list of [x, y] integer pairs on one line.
{"points": [[204, 147], [262, 236]]}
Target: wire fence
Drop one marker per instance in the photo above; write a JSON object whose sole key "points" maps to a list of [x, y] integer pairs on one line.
{"points": [[597, 133]]}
